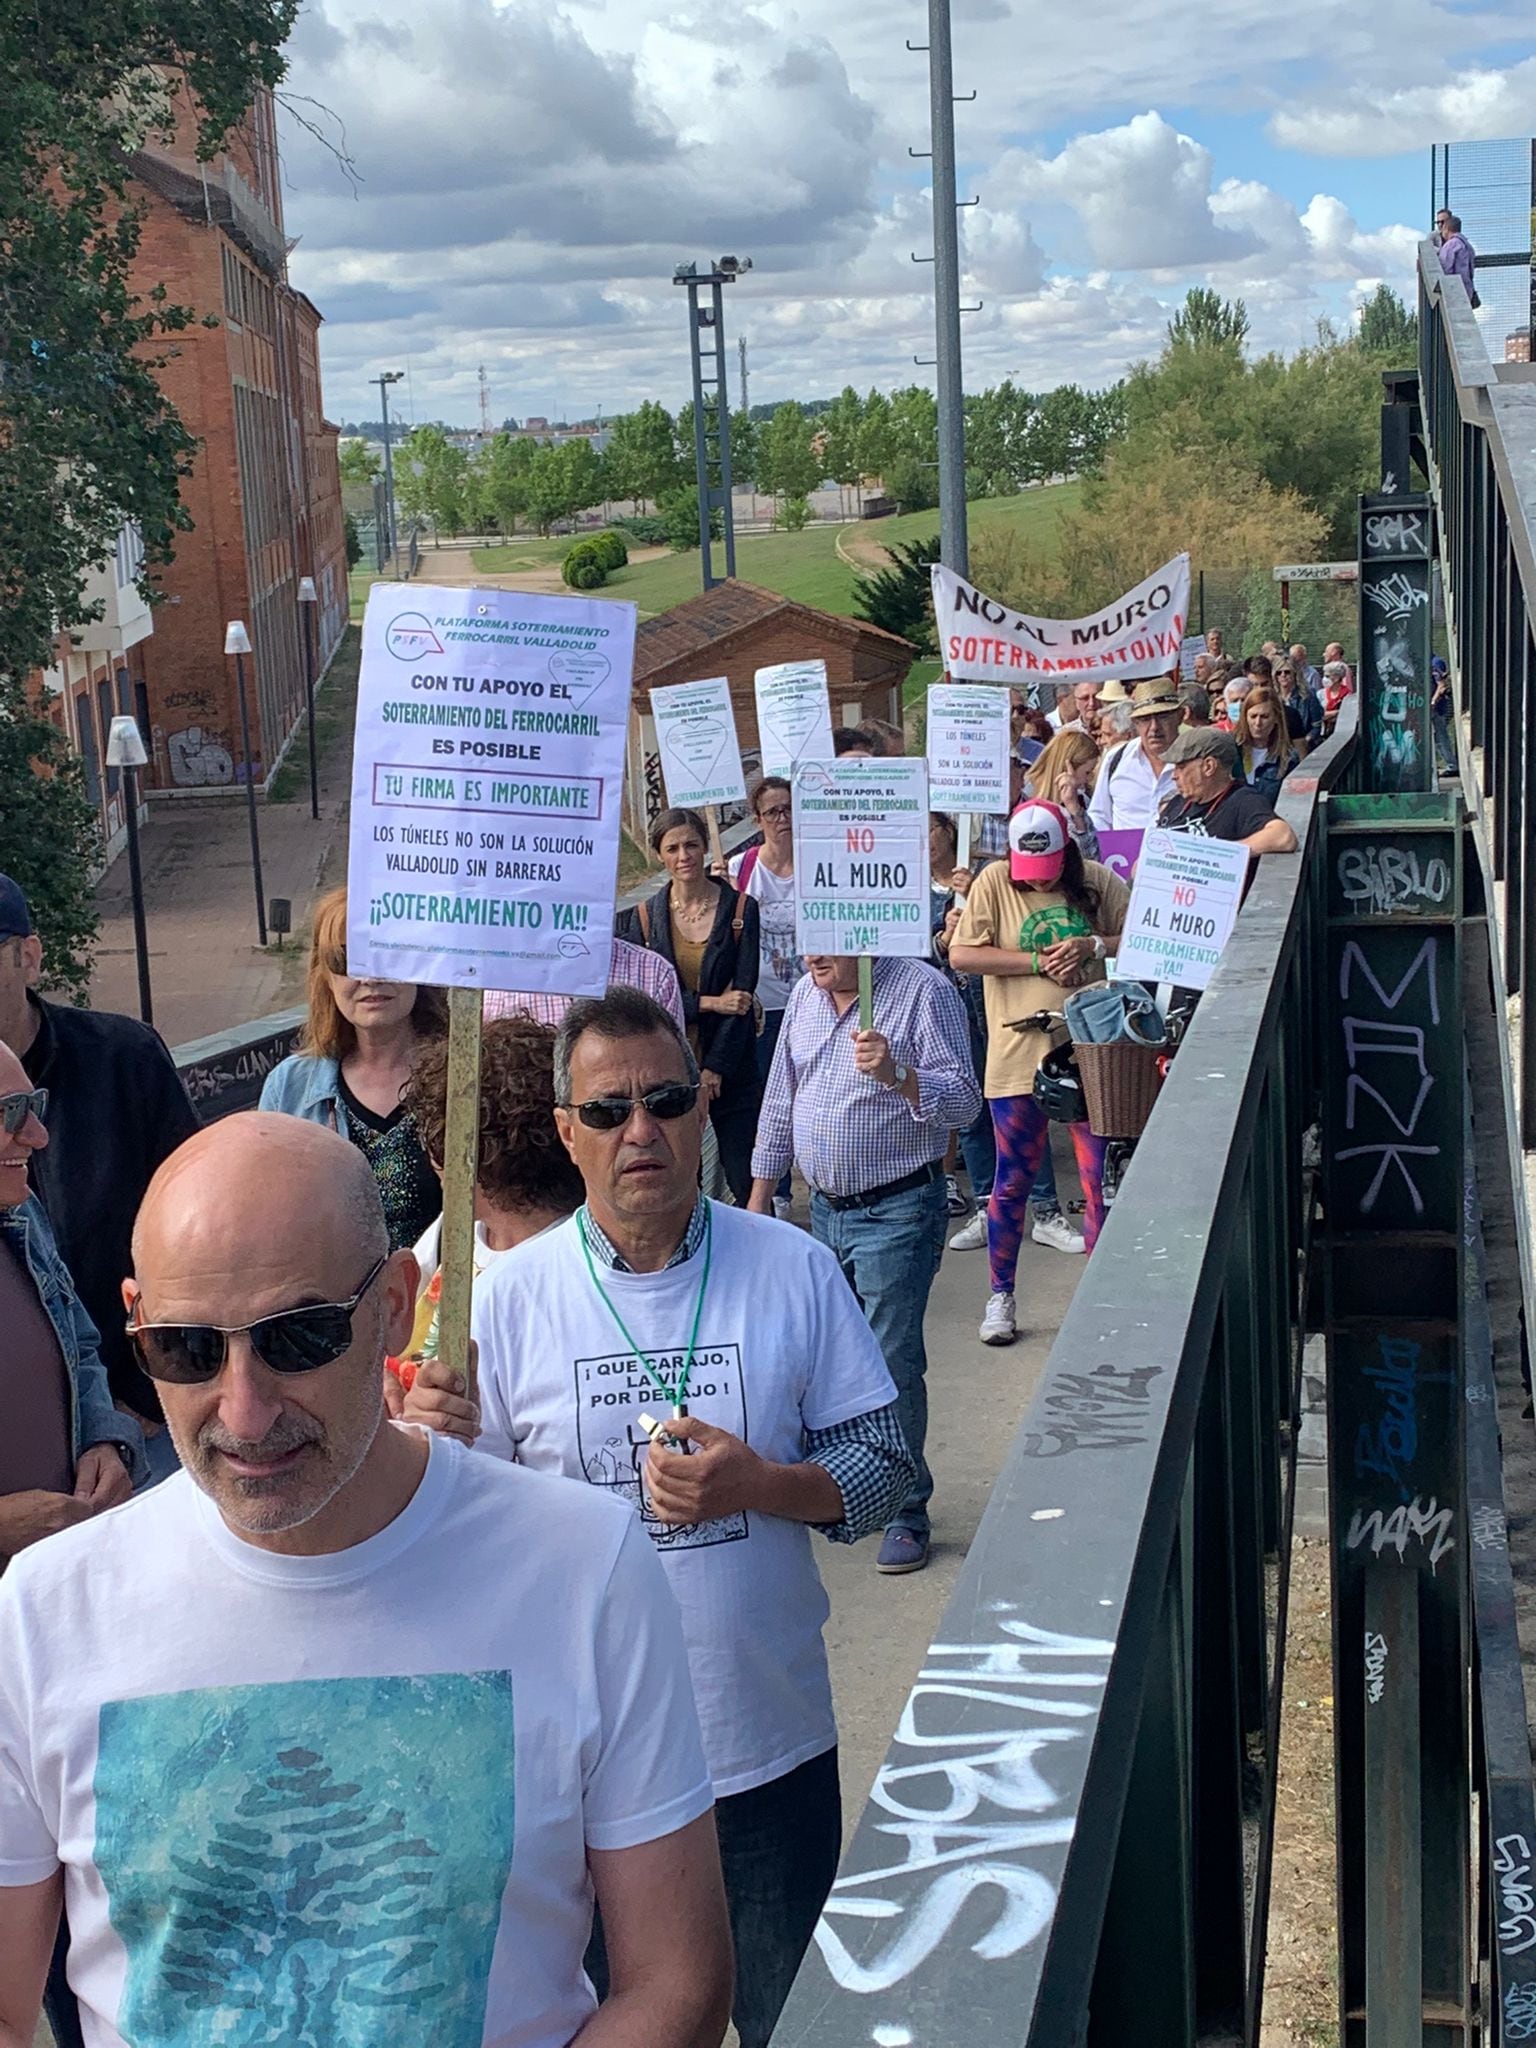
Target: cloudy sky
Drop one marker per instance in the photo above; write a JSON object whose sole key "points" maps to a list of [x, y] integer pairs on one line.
{"points": [[529, 176]]}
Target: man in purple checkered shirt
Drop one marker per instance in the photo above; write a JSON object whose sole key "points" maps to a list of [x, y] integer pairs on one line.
{"points": [[866, 1116], [630, 966]]}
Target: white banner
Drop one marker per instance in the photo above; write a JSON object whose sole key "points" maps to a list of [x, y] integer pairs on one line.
{"points": [[1184, 903], [1138, 635], [486, 776], [861, 857], [794, 715], [696, 740], [969, 747]]}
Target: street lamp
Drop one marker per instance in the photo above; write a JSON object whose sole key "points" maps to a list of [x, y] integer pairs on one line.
{"points": [[706, 343], [238, 643], [384, 381], [125, 751], [307, 602]]}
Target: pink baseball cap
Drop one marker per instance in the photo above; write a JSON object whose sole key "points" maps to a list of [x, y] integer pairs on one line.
{"points": [[1037, 841]]}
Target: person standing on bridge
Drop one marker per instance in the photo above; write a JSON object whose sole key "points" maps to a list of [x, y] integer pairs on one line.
{"points": [[709, 1369], [867, 1116], [1459, 259], [1132, 780], [116, 1108], [1211, 801]]}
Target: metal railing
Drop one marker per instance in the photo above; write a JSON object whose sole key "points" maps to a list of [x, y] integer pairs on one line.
{"points": [[1069, 1841]]}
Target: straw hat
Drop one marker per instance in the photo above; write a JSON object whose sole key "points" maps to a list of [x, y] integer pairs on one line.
{"points": [[1114, 692], [1156, 694]]}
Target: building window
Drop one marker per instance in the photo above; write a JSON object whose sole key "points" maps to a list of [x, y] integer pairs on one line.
{"points": [[89, 754], [104, 702], [130, 553]]}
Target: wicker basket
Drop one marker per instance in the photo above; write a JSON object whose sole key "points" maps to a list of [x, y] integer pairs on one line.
{"points": [[1120, 1084]]}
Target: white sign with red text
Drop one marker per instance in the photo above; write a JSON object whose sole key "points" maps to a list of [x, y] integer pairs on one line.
{"points": [[968, 747], [861, 857], [1184, 903], [1138, 635]]}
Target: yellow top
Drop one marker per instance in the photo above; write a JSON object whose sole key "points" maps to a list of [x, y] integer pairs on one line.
{"points": [[689, 955], [1001, 912]]}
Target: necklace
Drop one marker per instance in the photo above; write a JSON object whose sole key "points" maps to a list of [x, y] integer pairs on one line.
{"points": [[676, 1395]]}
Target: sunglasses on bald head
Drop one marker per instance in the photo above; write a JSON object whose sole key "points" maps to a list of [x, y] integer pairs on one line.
{"points": [[15, 1109], [293, 1340]]}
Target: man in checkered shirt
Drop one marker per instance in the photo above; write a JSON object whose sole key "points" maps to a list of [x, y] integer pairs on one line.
{"points": [[629, 967]]}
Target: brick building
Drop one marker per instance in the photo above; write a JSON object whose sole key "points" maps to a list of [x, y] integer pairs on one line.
{"points": [[734, 630], [265, 494]]}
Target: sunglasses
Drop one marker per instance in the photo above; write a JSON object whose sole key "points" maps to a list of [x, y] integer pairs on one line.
{"points": [[612, 1112], [293, 1340], [15, 1109]]}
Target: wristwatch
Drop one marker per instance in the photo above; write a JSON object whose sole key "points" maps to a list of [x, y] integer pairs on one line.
{"points": [[1098, 947], [901, 1075]]}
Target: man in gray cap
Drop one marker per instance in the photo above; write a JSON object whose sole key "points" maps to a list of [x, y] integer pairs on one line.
{"points": [[1210, 802]]}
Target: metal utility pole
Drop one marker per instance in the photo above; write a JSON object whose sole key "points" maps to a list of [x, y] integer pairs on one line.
{"points": [[711, 429], [954, 545], [389, 377], [307, 603], [238, 643], [741, 350]]}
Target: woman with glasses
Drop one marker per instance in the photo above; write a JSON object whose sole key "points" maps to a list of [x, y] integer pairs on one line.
{"points": [[767, 874], [710, 933], [354, 1059]]}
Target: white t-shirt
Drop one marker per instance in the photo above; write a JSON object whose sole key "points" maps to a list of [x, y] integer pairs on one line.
{"points": [[779, 965], [341, 1800], [783, 1347]]}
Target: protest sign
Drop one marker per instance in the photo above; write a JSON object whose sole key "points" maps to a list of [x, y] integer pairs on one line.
{"points": [[486, 778], [696, 739], [794, 715], [968, 747], [1184, 903], [861, 857], [1194, 645], [1138, 635], [1120, 851]]}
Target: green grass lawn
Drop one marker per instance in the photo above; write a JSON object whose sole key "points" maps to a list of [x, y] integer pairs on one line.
{"points": [[1032, 513], [335, 714], [527, 553]]}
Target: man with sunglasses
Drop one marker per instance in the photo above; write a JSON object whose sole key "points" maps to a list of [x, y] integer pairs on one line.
{"points": [[338, 1734], [710, 1369], [1134, 778], [116, 1108]]}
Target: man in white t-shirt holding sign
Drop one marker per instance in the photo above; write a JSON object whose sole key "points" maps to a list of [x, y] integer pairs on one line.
{"points": [[336, 1733], [737, 1332]]}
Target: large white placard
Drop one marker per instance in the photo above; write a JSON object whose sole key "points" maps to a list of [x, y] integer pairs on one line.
{"points": [[861, 857], [696, 739], [969, 745], [486, 779], [1184, 903], [794, 715], [1137, 635]]}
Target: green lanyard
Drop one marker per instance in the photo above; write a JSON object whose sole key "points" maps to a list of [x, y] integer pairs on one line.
{"points": [[678, 1395]]}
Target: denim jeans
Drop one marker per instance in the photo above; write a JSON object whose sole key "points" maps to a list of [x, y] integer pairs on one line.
{"points": [[889, 1253], [779, 1845]]}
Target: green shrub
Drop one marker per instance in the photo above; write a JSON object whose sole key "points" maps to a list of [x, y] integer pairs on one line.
{"points": [[611, 551], [794, 514], [583, 567], [646, 528]]}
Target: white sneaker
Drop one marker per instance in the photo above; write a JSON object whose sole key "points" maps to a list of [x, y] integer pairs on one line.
{"points": [[782, 1207], [954, 1201], [1058, 1233], [972, 1234], [997, 1325]]}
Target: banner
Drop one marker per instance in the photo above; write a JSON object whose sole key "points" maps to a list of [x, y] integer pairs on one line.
{"points": [[696, 740], [486, 776], [861, 857], [1138, 635], [1184, 903], [969, 746], [1120, 851], [794, 715]]}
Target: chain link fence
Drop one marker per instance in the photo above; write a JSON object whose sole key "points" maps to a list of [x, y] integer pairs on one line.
{"points": [[1245, 605], [1491, 187]]}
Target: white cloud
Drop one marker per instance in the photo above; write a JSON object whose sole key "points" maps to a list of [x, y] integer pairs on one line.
{"points": [[1383, 119]]}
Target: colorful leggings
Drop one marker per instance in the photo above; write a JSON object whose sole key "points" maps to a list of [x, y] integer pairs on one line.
{"points": [[1023, 1133]]}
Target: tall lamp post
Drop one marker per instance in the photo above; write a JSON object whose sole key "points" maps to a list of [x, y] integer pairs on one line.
{"points": [[307, 602], [238, 643], [384, 381], [706, 347], [125, 752]]}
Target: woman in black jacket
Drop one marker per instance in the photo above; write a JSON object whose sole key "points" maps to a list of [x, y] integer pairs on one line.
{"points": [[709, 932]]}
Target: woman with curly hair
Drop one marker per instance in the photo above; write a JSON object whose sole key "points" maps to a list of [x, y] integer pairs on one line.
{"points": [[525, 1180]]}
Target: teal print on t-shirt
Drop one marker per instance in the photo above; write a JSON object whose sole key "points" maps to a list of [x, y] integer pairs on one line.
{"points": [[317, 1864]]}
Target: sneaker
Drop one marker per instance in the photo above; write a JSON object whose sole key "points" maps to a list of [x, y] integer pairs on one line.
{"points": [[956, 1202], [1058, 1233], [782, 1207], [902, 1551], [997, 1325], [972, 1234]]}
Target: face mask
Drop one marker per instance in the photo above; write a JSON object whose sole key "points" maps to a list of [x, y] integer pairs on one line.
{"points": [[1234, 706]]}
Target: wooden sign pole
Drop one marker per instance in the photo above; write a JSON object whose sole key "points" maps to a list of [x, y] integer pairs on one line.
{"points": [[716, 849], [866, 992], [461, 1164]]}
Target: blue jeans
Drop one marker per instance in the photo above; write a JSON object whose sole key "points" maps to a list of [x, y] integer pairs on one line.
{"points": [[779, 1845], [768, 1038], [889, 1253]]}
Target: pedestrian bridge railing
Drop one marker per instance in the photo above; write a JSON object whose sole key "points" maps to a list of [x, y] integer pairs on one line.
{"points": [[1069, 1841]]}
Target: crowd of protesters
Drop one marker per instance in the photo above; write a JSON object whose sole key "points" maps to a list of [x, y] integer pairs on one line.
{"points": [[369, 1708]]}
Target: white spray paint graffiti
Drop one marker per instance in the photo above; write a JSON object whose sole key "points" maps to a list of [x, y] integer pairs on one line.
{"points": [[1395, 1528], [198, 762], [1396, 597], [1512, 1868], [988, 1803], [1375, 1667], [1369, 1039]]}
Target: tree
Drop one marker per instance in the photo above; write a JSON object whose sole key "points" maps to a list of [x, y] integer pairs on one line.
{"points": [[913, 484], [583, 474], [354, 543], [841, 428], [1387, 328], [501, 481], [900, 598], [744, 440], [680, 512], [1207, 320], [787, 464], [358, 463], [87, 438], [645, 464], [875, 444]]}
